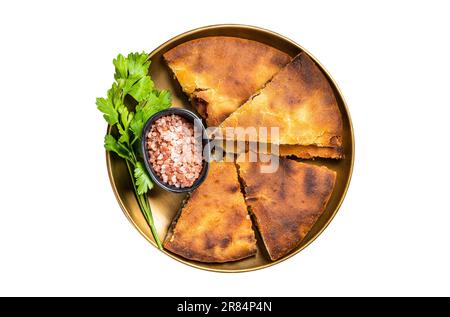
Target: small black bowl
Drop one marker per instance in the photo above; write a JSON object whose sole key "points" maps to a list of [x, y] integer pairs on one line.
{"points": [[191, 117]]}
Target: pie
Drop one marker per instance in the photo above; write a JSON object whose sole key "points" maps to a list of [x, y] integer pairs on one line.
{"points": [[214, 225], [285, 204], [220, 73], [239, 83], [300, 102]]}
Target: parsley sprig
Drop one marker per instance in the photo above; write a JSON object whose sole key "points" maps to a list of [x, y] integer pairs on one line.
{"points": [[132, 80]]}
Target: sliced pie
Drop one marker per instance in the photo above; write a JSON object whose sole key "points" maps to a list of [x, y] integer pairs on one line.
{"points": [[287, 203], [220, 73], [214, 225], [300, 102]]}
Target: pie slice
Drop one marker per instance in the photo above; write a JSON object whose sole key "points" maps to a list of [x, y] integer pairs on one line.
{"points": [[287, 203], [300, 102], [220, 73], [214, 225]]}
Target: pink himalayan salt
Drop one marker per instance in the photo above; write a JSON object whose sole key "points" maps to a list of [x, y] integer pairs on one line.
{"points": [[173, 151]]}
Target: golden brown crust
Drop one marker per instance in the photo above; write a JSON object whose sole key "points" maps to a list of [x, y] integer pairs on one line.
{"points": [[214, 225], [311, 151], [287, 203], [300, 151], [220, 73], [300, 101]]}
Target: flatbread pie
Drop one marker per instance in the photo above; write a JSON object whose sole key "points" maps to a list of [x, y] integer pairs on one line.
{"points": [[214, 225], [285, 204], [220, 73], [239, 83], [300, 102]]}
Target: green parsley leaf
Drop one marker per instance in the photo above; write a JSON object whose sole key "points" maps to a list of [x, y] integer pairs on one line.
{"points": [[124, 136], [143, 182], [138, 65], [165, 99], [125, 118], [125, 115], [141, 89], [131, 75], [120, 63], [109, 113], [135, 66], [144, 110], [112, 145]]}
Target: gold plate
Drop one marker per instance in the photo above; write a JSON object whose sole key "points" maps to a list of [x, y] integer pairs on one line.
{"points": [[165, 205]]}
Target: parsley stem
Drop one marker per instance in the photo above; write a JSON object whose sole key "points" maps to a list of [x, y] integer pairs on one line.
{"points": [[149, 218], [145, 208]]}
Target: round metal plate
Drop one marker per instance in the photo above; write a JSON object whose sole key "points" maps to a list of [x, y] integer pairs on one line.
{"points": [[165, 205]]}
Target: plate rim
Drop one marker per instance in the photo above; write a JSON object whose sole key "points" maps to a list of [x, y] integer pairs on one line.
{"points": [[341, 199]]}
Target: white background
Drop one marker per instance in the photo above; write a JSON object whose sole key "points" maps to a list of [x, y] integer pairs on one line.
{"points": [[61, 229]]}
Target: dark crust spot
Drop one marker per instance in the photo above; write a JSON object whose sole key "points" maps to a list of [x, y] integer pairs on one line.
{"points": [[328, 185], [225, 242], [185, 251], [304, 67], [308, 69], [234, 218], [290, 226], [233, 188], [280, 59], [199, 65], [210, 242], [310, 181], [328, 97], [287, 166], [292, 100]]}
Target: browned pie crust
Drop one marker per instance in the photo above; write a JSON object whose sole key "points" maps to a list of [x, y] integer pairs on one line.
{"points": [[300, 102], [214, 225], [220, 73], [286, 204]]}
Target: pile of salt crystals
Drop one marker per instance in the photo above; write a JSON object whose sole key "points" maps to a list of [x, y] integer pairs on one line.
{"points": [[174, 152]]}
